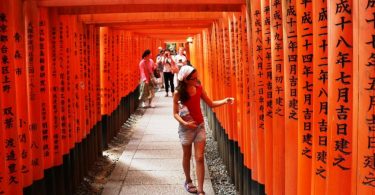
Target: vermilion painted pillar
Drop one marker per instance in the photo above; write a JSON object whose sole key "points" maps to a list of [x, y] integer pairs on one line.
{"points": [[260, 86], [63, 68], [340, 99], [45, 81], [57, 150], [227, 77], [291, 94], [21, 92], [320, 96], [10, 156], [305, 94], [246, 37], [33, 91], [268, 124], [363, 172], [278, 103]]}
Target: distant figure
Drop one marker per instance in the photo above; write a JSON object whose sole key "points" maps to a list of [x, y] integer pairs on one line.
{"points": [[180, 60], [146, 67], [168, 64], [187, 111], [159, 62]]}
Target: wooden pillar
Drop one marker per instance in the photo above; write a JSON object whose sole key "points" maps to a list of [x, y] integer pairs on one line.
{"points": [[363, 172], [340, 99], [258, 68], [10, 157], [267, 65], [305, 94], [320, 96], [291, 94], [21, 91], [278, 97]]}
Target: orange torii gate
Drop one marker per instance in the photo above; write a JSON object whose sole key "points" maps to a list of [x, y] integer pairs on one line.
{"points": [[335, 140], [302, 72]]}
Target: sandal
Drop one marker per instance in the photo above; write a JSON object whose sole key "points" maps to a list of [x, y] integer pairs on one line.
{"points": [[189, 187]]}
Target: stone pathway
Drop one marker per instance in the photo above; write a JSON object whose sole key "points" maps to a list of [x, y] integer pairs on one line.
{"points": [[152, 161]]}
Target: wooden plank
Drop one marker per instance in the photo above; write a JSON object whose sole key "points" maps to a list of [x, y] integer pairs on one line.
{"points": [[53, 3], [148, 17], [166, 31], [152, 25], [137, 8], [162, 30]]}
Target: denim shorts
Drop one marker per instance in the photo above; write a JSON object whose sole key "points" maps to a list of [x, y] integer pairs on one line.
{"points": [[188, 136]]}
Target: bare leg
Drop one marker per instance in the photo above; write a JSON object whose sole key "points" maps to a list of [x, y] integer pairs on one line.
{"points": [[162, 80], [199, 160], [152, 93], [186, 161]]}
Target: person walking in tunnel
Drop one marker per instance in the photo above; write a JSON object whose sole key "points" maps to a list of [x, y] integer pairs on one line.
{"points": [[187, 111], [146, 67], [180, 60], [159, 62], [168, 67]]}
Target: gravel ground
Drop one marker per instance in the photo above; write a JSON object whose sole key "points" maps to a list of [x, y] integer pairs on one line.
{"points": [[220, 179], [99, 173]]}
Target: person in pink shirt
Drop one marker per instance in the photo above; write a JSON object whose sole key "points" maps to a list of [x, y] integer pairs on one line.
{"points": [[146, 67], [187, 111]]}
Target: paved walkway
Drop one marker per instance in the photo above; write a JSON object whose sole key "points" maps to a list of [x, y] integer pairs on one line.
{"points": [[152, 161]]}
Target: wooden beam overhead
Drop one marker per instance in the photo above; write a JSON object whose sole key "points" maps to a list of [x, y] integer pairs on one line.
{"points": [[170, 38], [179, 33], [159, 25], [164, 24], [58, 3], [136, 8], [159, 19], [167, 31], [149, 17], [152, 28]]}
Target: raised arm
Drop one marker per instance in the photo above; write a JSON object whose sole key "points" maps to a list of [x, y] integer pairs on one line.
{"points": [[216, 103]]}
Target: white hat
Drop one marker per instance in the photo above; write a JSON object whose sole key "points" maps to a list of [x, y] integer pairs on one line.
{"points": [[184, 72]]}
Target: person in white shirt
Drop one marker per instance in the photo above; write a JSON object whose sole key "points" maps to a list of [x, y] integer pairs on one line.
{"points": [[159, 62], [180, 60], [168, 64]]}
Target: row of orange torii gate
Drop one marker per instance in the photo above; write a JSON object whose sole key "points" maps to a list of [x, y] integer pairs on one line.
{"points": [[302, 72]]}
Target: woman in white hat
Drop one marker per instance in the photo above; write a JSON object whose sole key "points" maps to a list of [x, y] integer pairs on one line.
{"points": [[187, 111]]}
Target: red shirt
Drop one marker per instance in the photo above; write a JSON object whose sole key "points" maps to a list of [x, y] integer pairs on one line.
{"points": [[194, 107]]}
